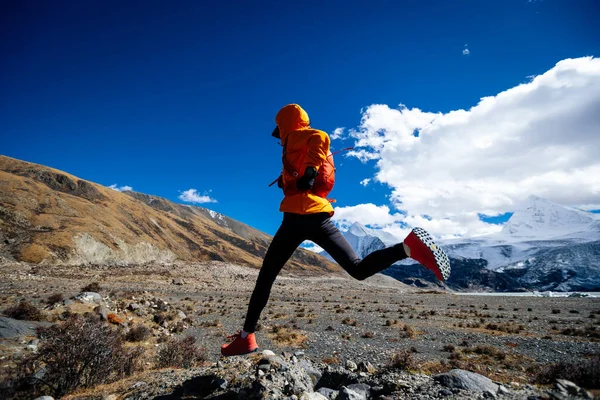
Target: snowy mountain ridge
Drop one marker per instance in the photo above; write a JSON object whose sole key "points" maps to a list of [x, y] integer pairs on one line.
{"points": [[543, 246], [539, 218]]}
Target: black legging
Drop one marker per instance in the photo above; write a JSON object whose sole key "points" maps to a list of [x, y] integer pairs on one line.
{"points": [[318, 228]]}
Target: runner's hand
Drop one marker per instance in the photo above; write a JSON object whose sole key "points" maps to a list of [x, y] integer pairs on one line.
{"points": [[307, 180]]}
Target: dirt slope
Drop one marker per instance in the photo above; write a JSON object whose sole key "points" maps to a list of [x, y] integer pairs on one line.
{"points": [[47, 215]]}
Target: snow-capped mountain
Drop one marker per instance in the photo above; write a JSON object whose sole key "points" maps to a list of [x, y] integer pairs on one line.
{"points": [[541, 219], [543, 246], [364, 240]]}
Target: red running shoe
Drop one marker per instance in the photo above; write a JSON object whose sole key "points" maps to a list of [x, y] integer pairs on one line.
{"points": [[426, 252], [239, 346]]}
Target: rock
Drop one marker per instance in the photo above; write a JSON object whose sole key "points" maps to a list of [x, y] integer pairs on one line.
{"points": [[40, 373], [351, 365], [314, 373], [89, 297], [488, 394], [328, 393], [181, 314], [299, 354], [366, 367], [178, 281], [267, 353], [567, 386], [361, 388], [259, 388], [110, 397], [335, 377], [503, 390], [134, 306], [67, 302], [445, 392], [45, 398], [349, 394], [299, 380], [102, 311], [461, 379], [13, 328], [33, 344], [221, 383], [312, 396], [264, 367]]}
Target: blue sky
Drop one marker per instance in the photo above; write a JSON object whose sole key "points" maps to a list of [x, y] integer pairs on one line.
{"points": [[169, 96]]}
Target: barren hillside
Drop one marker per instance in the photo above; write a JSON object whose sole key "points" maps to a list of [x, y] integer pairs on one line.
{"points": [[47, 215]]}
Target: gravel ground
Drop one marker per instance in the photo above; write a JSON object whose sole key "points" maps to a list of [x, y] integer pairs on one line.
{"points": [[340, 319]]}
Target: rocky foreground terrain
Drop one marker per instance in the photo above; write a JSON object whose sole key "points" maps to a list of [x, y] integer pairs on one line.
{"points": [[375, 339]]}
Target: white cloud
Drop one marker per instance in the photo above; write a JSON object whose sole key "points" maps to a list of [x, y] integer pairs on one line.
{"points": [[540, 137], [192, 196], [120, 188], [338, 133], [466, 52], [365, 181], [366, 214]]}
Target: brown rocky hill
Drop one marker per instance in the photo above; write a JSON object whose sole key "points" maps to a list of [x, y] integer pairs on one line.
{"points": [[50, 216]]}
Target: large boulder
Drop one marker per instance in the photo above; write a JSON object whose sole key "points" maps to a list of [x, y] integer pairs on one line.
{"points": [[461, 379], [13, 328], [89, 297]]}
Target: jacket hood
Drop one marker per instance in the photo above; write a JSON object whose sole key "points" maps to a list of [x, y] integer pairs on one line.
{"points": [[290, 118]]}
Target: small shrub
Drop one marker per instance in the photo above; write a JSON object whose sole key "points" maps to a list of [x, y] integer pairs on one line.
{"points": [[24, 311], [449, 348], [408, 332], [588, 331], [180, 353], [403, 361], [55, 298], [138, 333], [585, 373], [490, 351], [367, 335], [92, 287], [555, 311], [161, 317], [79, 353]]}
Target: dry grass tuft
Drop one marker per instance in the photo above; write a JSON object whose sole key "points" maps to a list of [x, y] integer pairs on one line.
{"points": [[92, 287], [180, 353], [408, 332], [404, 360], [55, 298], [287, 337], [585, 373], [138, 333], [25, 311]]}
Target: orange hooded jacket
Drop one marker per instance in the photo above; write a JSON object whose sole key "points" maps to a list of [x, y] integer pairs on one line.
{"points": [[296, 133]]}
